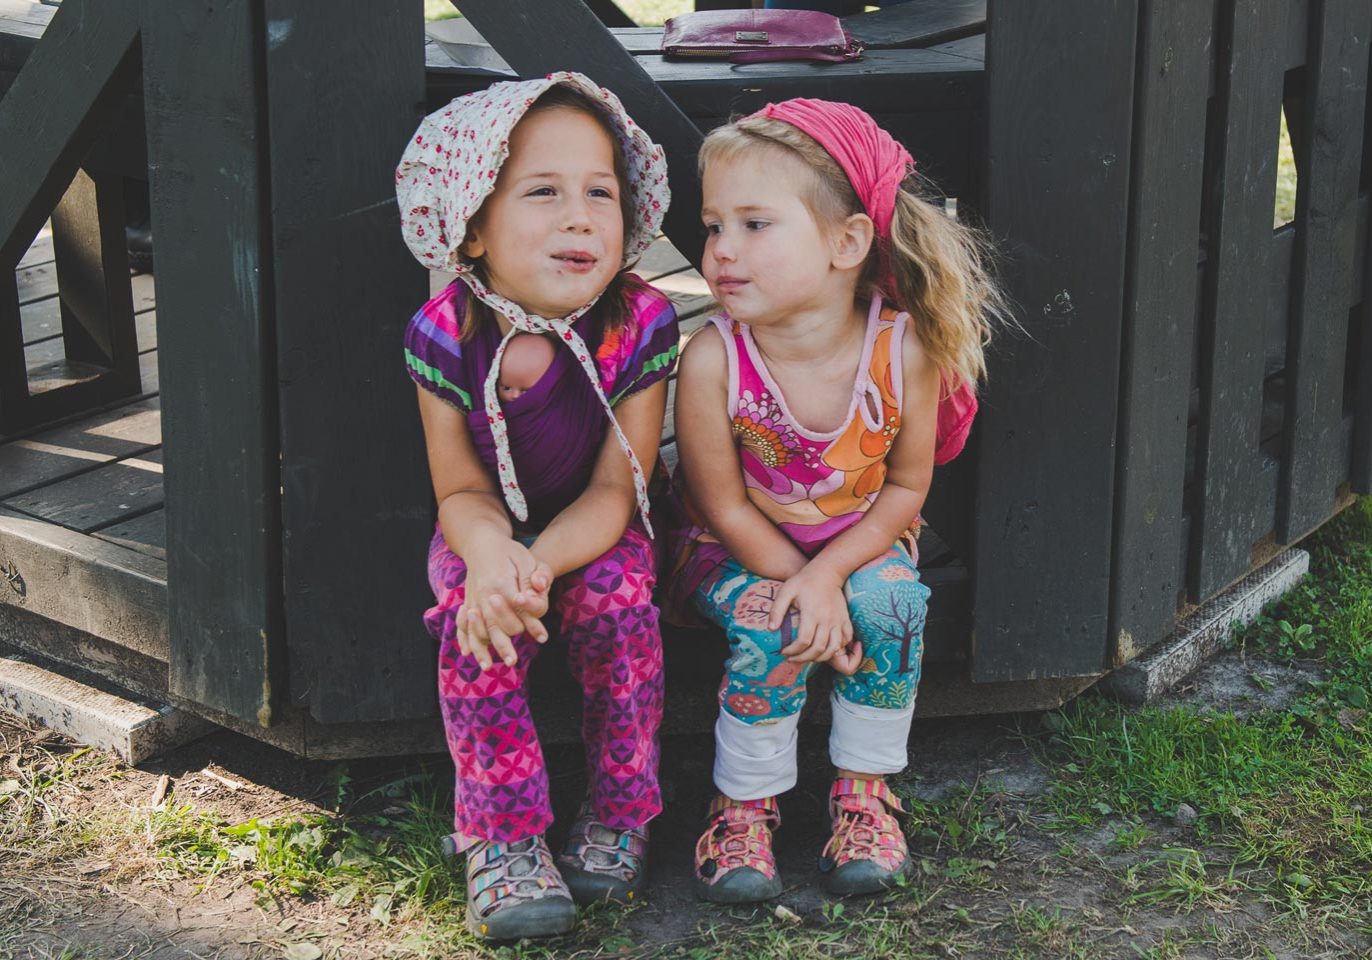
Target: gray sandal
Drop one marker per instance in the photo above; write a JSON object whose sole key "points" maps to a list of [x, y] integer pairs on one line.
{"points": [[514, 891], [601, 862]]}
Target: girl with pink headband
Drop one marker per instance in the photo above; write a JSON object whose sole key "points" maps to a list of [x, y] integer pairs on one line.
{"points": [[539, 195], [809, 418]]}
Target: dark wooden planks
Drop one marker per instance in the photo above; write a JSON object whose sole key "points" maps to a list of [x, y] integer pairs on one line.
{"points": [[205, 93], [536, 39], [145, 534], [78, 447], [357, 505], [922, 24], [1329, 156], [98, 498], [1057, 196], [1235, 305], [1159, 319]]}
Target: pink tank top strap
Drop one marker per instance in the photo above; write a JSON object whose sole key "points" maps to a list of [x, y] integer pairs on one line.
{"points": [[732, 336]]}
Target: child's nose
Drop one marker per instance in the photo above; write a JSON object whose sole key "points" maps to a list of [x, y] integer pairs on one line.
{"points": [[577, 214]]}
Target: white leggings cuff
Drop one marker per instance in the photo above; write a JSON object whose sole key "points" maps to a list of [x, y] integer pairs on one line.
{"points": [[868, 739], [755, 760]]}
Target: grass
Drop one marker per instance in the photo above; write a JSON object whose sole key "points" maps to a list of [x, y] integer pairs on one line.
{"points": [[1282, 795]]}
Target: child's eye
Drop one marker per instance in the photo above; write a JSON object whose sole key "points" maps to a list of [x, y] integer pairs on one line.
{"points": [[755, 224], [541, 192], [713, 229], [603, 193]]}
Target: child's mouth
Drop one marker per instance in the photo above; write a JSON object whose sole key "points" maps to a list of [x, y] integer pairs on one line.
{"points": [[576, 261]]}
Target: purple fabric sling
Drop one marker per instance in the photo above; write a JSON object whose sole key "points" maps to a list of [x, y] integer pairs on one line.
{"points": [[556, 427]]}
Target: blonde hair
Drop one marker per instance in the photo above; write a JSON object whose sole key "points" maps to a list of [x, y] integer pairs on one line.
{"points": [[941, 267]]}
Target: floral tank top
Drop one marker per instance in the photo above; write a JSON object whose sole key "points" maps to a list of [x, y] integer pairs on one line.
{"points": [[812, 485]]}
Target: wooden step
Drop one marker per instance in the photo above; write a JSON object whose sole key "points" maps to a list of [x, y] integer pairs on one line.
{"points": [[107, 719]]}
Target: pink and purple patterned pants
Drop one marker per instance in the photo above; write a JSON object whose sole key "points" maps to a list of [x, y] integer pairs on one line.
{"points": [[605, 613]]}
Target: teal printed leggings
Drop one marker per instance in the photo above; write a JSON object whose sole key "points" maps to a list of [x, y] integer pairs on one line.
{"points": [[887, 605]]}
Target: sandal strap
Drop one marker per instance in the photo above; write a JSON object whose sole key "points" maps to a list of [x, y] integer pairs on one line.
{"points": [[739, 834], [501, 873], [596, 847], [865, 826]]}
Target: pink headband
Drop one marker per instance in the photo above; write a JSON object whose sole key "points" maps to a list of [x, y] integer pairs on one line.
{"points": [[874, 162]]}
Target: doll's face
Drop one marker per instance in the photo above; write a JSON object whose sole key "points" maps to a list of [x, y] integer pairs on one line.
{"points": [[551, 234], [527, 357]]}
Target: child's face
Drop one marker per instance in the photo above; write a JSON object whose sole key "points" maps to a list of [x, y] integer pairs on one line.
{"points": [[551, 234], [766, 257]]}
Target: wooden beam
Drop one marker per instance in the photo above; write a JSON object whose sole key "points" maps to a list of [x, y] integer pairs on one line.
{"points": [[344, 94], [536, 39], [1236, 309], [205, 96], [1329, 153], [1159, 319], [53, 111], [1057, 198]]}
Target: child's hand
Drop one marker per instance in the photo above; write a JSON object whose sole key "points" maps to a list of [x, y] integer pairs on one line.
{"points": [[824, 629], [506, 594]]}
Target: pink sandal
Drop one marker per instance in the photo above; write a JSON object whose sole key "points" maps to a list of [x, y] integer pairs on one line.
{"points": [[867, 851], [734, 862]]}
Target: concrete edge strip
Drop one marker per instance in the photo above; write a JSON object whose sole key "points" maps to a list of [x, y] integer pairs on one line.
{"points": [[1200, 635]]}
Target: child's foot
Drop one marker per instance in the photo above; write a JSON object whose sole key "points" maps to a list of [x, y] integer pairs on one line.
{"points": [[601, 862], [514, 890], [867, 851], [734, 862]]}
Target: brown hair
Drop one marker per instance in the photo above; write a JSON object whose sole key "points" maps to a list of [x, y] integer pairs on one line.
{"points": [[613, 305], [941, 267]]}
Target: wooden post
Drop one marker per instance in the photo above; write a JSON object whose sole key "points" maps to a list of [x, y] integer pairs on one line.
{"points": [[538, 38], [1159, 319], [1329, 149], [1235, 305], [207, 150], [345, 91], [1060, 90], [93, 271]]}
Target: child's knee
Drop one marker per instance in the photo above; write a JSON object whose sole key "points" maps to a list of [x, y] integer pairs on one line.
{"points": [[760, 684], [625, 572]]}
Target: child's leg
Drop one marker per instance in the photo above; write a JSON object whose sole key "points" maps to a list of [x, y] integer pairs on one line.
{"points": [[762, 692], [614, 648], [873, 707], [502, 784], [755, 738], [871, 725], [615, 653]]}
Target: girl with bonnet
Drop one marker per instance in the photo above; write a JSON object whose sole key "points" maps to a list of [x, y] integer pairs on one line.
{"points": [[539, 195]]}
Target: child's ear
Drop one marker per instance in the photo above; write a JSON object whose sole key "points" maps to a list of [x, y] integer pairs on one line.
{"points": [[472, 248], [853, 241]]}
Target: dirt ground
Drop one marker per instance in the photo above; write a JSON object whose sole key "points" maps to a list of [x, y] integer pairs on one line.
{"points": [[1039, 892]]}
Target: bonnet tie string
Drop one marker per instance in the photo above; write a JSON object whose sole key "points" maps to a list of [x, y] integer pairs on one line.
{"points": [[509, 486]]}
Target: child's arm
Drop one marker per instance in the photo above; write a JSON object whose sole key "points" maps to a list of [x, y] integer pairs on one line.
{"points": [[708, 455], [503, 578], [909, 470], [593, 522]]}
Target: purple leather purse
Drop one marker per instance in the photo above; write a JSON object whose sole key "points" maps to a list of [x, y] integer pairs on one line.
{"points": [[757, 36]]}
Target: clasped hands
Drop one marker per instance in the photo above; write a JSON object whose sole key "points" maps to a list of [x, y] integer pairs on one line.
{"points": [[506, 594], [824, 631]]}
